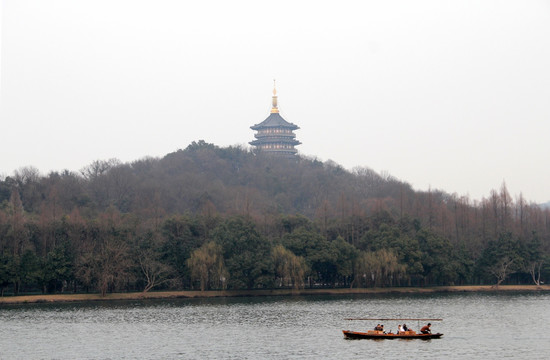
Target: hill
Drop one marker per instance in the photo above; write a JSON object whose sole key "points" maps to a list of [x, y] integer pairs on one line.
{"points": [[231, 218], [228, 180]]}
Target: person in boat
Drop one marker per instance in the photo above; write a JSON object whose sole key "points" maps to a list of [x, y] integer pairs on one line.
{"points": [[426, 329], [405, 327], [379, 327], [400, 329]]}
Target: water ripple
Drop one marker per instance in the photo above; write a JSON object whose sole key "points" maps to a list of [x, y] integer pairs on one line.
{"points": [[492, 326]]}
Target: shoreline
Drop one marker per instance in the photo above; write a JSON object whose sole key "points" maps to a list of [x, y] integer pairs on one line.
{"points": [[56, 298]]}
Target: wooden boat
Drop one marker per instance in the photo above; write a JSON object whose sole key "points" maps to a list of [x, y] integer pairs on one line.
{"points": [[375, 334], [379, 334]]}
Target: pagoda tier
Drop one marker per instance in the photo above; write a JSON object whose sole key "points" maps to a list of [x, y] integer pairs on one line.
{"points": [[275, 135]]}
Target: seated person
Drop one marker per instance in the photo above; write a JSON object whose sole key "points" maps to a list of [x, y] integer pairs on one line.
{"points": [[400, 329]]}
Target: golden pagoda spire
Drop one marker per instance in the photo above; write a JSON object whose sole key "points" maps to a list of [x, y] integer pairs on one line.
{"points": [[274, 108]]}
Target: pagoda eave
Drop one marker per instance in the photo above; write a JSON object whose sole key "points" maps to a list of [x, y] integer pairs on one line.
{"points": [[260, 127]]}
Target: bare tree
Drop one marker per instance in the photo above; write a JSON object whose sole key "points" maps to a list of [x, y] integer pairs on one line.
{"points": [[112, 264], [17, 222], [502, 269], [155, 272], [534, 269], [506, 205], [98, 168], [104, 259]]}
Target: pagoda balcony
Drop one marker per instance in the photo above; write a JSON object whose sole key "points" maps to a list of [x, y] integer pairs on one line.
{"points": [[279, 151], [270, 142], [269, 137]]}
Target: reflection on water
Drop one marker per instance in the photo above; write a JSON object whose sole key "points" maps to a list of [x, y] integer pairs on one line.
{"points": [[492, 326]]}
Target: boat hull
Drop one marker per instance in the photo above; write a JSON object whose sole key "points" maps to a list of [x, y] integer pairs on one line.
{"points": [[380, 335]]}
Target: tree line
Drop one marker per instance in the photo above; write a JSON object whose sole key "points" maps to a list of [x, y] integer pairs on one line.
{"points": [[227, 218]]}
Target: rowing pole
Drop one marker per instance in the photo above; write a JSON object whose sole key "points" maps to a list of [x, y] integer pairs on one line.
{"points": [[395, 319]]}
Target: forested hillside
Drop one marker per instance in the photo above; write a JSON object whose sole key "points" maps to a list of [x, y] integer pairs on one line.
{"points": [[210, 218]]}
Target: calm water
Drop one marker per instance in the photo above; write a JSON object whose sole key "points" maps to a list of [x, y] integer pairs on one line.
{"points": [[489, 326]]}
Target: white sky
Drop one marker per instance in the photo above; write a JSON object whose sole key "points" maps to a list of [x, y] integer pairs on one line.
{"points": [[452, 95]]}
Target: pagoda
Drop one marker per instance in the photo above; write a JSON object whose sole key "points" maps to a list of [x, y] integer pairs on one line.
{"points": [[275, 135]]}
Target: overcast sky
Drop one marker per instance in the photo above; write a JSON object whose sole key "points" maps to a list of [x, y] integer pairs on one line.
{"points": [[450, 95]]}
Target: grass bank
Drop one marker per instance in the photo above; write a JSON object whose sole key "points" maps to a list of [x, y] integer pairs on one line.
{"points": [[242, 293]]}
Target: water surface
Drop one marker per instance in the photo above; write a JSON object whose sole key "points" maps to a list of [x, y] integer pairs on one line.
{"points": [[476, 325]]}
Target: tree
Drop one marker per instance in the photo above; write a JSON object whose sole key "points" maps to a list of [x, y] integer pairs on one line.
{"points": [[100, 185], [8, 272], [246, 254], [534, 269], [534, 258], [16, 233], [58, 268], [379, 268], [181, 236], [28, 184], [31, 269], [502, 269], [319, 254], [155, 272], [400, 238], [501, 258], [289, 268], [112, 264], [104, 260], [98, 168], [320, 212], [207, 265], [346, 255], [153, 269], [464, 265], [437, 260]]}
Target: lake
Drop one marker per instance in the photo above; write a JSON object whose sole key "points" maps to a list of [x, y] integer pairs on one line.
{"points": [[476, 325]]}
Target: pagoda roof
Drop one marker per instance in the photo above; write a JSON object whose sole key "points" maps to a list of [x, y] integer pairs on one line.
{"points": [[274, 120]]}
